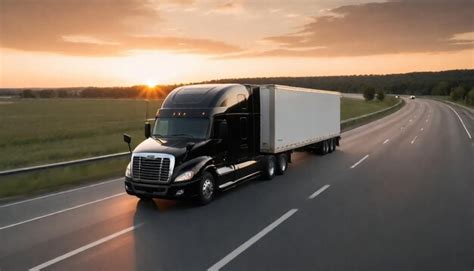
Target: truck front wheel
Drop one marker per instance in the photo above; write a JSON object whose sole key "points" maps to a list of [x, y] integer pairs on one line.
{"points": [[207, 189], [282, 164], [269, 168]]}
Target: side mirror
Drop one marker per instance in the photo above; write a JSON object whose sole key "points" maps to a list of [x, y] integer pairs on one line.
{"points": [[222, 130], [189, 146], [127, 139], [147, 129]]}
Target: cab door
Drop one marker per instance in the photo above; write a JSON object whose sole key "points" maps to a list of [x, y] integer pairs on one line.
{"points": [[246, 165]]}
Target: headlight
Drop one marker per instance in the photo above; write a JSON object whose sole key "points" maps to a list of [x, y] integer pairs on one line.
{"points": [[128, 171], [186, 176]]}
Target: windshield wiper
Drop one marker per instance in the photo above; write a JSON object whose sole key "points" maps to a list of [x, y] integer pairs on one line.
{"points": [[158, 137], [183, 135]]}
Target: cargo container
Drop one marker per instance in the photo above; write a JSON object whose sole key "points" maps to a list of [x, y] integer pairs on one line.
{"points": [[296, 117]]}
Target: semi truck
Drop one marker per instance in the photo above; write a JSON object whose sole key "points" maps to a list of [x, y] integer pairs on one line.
{"points": [[210, 137]]}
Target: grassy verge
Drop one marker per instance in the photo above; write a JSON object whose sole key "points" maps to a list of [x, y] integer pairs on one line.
{"points": [[448, 98], [83, 129], [60, 178], [352, 108]]}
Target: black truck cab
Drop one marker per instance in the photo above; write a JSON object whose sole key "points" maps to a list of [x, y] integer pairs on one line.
{"points": [[205, 138]]}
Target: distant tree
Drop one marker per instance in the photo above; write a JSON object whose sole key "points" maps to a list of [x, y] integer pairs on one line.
{"points": [[470, 97], [28, 93], [380, 95], [441, 89], [458, 93], [62, 93], [47, 93], [369, 93]]}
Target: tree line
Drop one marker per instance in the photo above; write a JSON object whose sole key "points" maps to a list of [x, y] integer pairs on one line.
{"points": [[459, 84], [133, 92]]}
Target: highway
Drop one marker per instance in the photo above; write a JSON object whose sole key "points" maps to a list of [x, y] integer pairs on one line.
{"points": [[396, 195]]}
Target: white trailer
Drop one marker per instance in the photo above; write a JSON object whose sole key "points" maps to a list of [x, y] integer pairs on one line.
{"points": [[292, 118]]}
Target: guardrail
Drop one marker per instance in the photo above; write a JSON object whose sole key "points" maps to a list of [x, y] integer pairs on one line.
{"points": [[356, 121], [344, 125], [61, 164]]}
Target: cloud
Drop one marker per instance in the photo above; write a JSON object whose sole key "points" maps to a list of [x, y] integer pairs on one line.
{"points": [[409, 26], [229, 7], [182, 2], [181, 44], [92, 28]]}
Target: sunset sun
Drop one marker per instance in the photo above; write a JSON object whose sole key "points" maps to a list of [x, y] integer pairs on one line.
{"points": [[150, 83]]}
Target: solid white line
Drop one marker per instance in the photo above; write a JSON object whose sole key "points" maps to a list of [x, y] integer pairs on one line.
{"points": [[84, 248], [360, 161], [386, 140], [251, 241], [59, 193], [462, 122], [61, 211], [320, 190], [413, 141]]}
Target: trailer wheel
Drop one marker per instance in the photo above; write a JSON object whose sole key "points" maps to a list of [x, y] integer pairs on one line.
{"points": [[282, 164], [325, 147], [332, 145], [269, 168], [207, 189]]}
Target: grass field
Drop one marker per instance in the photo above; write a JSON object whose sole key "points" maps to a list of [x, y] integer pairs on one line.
{"points": [[351, 108], [38, 131]]}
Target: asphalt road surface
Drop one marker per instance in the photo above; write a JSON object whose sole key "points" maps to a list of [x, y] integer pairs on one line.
{"points": [[397, 195]]}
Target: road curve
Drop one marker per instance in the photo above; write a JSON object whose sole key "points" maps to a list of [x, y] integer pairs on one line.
{"points": [[396, 195]]}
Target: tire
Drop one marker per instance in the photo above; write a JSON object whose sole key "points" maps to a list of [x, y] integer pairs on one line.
{"points": [[282, 164], [269, 168], [207, 189], [325, 147], [332, 145]]}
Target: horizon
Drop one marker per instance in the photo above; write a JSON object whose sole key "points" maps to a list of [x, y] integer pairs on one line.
{"points": [[63, 44], [236, 78]]}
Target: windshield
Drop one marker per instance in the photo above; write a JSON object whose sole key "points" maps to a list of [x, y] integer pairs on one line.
{"points": [[185, 127]]}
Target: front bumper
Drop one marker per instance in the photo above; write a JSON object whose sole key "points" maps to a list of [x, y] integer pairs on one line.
{"points": [[165, 191]]}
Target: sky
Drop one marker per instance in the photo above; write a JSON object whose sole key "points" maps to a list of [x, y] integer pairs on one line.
{"points": [[72, 43]]}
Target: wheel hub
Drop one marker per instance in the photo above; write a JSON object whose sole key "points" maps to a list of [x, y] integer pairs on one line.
{"points": [[207, 188]]}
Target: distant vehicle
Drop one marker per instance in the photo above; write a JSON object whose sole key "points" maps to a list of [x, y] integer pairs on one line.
{"points": [[397, 96], [210, 137], [412, 97]]}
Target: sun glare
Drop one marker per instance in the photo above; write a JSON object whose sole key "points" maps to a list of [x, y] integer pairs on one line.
{"points": [[151, 83]]}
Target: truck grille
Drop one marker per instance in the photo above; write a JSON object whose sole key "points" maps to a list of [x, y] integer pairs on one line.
{"points": [[151, 169]]}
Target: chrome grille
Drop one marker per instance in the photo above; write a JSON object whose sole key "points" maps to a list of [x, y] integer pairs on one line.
{"points": [[156, 169]]}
